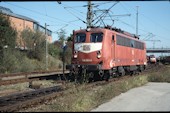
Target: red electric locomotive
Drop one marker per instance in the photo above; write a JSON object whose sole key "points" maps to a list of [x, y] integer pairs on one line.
{"points": [[98, 53]]}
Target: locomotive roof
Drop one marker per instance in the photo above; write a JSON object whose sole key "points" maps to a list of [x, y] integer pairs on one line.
{"points": [[118, 30]]}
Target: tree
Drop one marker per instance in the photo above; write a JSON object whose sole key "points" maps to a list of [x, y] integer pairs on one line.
{"points": [[8, 35], [70, 38], [68, 51], [54, 50], [39, 45], [28, 38], [62, 35], [35, 43]]}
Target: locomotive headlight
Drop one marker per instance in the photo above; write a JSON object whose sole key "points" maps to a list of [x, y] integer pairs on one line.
{"points": [[99, 55], [75, 54]]}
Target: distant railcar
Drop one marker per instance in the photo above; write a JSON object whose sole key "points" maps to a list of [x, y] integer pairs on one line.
{"points": [[98, 53], [165, 60], [152, 59]]}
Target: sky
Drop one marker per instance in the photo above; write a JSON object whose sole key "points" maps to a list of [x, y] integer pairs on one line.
{"points": [[153, 17]]}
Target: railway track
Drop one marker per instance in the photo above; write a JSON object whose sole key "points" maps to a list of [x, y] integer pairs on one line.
{"points": [[32, 74], [17, 101], [6, 79]]}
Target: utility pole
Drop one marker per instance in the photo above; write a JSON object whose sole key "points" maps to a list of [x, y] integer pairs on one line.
{"points": [[137, 21], [89, 15], [63, 57], [46, 50]]}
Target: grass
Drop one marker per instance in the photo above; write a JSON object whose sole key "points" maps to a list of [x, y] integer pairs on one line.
{"points": [[85, 99], [161, 76], [16, 61]]}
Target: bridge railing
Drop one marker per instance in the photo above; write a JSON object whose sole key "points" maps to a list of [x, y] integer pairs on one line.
{"points": [[157, 48]]}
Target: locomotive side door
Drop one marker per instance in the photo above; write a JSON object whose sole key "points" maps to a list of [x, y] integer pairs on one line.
{"points": [[113, 48], [132, 52]]}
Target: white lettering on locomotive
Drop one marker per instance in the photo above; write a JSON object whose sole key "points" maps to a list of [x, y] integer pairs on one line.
{"points": [[87, 47], [87, 60]]}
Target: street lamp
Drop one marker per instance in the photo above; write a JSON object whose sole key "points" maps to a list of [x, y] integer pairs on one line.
{"points": [[46, 46]]}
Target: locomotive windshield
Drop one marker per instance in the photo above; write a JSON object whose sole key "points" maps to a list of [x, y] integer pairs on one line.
{"points": [[80, 37], [96, 37], [152, 56]]}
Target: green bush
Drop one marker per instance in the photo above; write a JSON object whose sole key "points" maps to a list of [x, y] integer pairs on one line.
{"points": [[162, 76], [54, 50], [10, 62], [35, 43], [34, 55], [8, 37], [26, 65], [54, 63], [68, 55], [8, 34]]}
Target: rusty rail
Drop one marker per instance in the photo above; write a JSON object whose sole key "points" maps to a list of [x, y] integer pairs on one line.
{"points": [[17, 101], [6, 79]]}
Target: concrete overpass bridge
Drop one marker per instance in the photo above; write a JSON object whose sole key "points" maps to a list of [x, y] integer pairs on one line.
{"points": [[158, 50]]}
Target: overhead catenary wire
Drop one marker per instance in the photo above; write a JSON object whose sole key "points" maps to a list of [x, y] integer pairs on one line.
{"points": [[72, 13], [134, 27], [103, 3], [42, 14], [67, 7], [142, 24], [76, 16], [151, 20], [100, 17], [104, 13], [60, 19]]}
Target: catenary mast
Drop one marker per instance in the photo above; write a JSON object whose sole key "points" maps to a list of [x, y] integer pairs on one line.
{"points": [[89, 15]]}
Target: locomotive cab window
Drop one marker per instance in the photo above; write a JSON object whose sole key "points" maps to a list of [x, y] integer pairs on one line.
{"points": [[96, 37], [132, 43], [80, 37], [113, 38]]}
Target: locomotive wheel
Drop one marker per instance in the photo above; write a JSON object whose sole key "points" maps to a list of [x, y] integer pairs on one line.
{"points": [[133, 73], [82, 77], [76, 78], [106, 76], [71, 77], [90, 77], [101, 75], [121, 71], [97, 77], [141, 68], [79, 78]]}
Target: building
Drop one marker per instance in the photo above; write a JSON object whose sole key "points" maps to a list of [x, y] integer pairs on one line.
{"points": [[20, 22]]}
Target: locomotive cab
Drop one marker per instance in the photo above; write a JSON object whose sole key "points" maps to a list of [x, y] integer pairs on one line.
{"points": [[86, 47], [87, 51]]}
